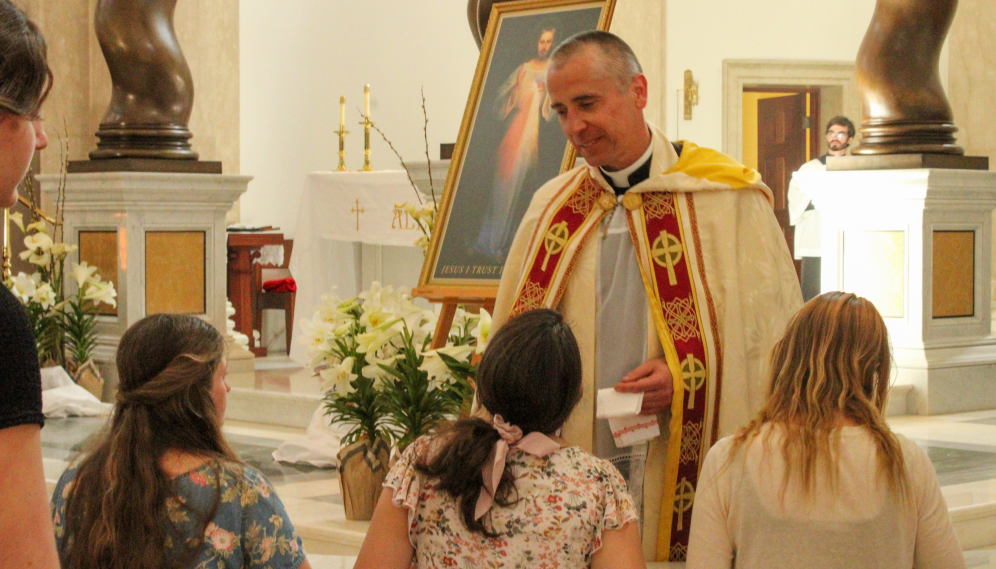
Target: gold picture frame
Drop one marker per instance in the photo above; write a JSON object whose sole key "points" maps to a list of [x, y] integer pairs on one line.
{"points": [[509, 144]]}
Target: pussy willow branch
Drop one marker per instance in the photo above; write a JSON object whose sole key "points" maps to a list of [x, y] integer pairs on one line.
{"points": [[400, 159], [425, 132]]}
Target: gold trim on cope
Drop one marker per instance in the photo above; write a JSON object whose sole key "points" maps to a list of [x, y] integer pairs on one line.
{"points": [[607, 201], [632, 201]]}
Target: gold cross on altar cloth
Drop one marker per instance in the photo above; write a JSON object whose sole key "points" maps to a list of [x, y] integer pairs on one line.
{"points": [[554, 241], [683, 500], [666, 252], [693, 375], [358, 210]]}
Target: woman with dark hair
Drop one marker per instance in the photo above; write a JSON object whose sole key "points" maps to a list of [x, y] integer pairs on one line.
{"points": [[818, 479], [25, 80], [501, 488], [25, 525], [162, 488]]}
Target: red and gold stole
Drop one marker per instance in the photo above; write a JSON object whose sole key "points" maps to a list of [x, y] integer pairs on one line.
{"points": [[562, 230], [670, 278]]}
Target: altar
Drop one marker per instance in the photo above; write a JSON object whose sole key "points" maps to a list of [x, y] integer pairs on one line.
{"points": [[352, 229]]}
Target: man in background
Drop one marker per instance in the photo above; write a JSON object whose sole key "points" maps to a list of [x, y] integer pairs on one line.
{"points": [[803, 214]]}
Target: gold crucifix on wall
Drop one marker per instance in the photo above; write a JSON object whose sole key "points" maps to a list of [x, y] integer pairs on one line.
{"points": [[358, 210]]}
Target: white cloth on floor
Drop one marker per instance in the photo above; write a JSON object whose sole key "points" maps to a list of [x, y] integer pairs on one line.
{"points": [[318, 447], [62, 397]]}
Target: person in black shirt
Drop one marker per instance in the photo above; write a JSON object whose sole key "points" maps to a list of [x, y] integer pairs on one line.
{"points": [[26, 535]]}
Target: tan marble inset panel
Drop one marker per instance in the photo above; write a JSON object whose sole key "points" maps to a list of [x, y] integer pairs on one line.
{"points": [[100, 249], [953, 274], [174, 272], [874, 267]]}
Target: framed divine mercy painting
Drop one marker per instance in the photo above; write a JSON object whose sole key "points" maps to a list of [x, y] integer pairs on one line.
{"points": [[510, 143]]}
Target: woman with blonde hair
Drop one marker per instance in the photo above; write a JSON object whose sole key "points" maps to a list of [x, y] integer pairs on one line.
{"points": [[818, 479], [162, 488]]}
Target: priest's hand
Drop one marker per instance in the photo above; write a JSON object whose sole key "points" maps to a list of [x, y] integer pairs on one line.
{"points": [[653, 378]]}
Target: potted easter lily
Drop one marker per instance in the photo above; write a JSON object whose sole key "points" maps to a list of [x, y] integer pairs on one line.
{"points": [[382, 382], [64, 326]]}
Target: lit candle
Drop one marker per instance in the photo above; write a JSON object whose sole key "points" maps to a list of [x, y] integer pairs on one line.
{"points": [[366, 100], [342, 113]]}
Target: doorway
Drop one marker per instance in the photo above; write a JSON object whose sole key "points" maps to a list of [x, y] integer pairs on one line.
{"points": [[781, 132]]}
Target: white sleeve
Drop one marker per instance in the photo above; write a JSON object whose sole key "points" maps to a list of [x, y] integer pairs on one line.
{"points": [[937, 545], [798, 201], [710, 545]]}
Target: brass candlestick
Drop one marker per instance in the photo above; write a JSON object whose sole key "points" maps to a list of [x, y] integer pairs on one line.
{"points": [[342, 149], [366, 144], [6, 244]]}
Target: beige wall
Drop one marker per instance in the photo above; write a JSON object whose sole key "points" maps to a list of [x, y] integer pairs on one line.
{"points": [[972, 77], [208, 31]]}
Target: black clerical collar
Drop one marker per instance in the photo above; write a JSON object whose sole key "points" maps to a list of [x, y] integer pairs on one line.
{"points": [[641, 173]]}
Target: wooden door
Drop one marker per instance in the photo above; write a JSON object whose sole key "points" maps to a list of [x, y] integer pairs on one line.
{"points": [[781, 150]]}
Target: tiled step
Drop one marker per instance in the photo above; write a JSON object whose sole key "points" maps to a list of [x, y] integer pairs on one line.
{"points": [[271, 407]]}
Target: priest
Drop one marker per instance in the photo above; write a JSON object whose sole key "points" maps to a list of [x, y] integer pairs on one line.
{"points": [[667, 261]]}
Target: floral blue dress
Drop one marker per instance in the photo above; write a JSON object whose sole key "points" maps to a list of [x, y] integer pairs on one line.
{"points": [[250, 528]]}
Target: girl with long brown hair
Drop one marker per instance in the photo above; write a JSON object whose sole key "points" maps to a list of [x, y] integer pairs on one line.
{"points": [[501, 489], [818, 479], [162, 488]]}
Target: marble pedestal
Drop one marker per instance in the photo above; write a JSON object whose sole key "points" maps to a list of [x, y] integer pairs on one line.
{"points": [[917, 243], [159, 237]]}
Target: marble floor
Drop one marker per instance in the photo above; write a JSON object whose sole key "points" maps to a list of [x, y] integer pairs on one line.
{"points": [[962, 448]]}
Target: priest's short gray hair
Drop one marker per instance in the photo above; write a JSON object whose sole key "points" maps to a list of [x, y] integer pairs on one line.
{"points": [[618, 61]]}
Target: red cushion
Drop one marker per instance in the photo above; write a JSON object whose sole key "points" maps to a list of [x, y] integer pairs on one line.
{"points": [[280, 285]]}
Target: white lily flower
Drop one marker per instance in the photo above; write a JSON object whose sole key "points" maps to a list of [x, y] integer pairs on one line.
{"points": [[18, 219], [338, 378], [98, 292], [373, 293], [38, 249], [24, 287], [315, 338], [38, 226], [437, 369], [482, 332], [60, 250], [81, 272], [374, 315], [371, 343], [45, 296]]}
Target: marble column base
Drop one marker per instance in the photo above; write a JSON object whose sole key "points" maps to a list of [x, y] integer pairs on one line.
{"points": [[130, 221], [918, 244]]}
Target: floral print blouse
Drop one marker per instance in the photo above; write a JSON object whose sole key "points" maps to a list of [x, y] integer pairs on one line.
{"points": [[250, 528], [566, 500]]}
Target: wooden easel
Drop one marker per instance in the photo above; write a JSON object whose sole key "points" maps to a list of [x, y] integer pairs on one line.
{"points": [[473, 299]]}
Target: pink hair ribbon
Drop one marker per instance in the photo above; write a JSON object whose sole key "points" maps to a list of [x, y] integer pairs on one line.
{"points": [[535, 443]]}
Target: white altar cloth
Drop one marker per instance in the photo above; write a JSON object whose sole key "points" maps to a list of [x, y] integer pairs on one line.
{"points": [[340, 212]]}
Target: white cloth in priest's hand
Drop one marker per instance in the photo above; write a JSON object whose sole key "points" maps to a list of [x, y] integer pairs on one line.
{"points": [[627, 425], [612, 403], [629, 431]]}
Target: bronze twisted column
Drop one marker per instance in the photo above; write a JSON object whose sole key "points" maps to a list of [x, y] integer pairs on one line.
{"points": [[153, 92], [905, 108]]}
